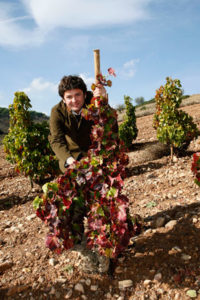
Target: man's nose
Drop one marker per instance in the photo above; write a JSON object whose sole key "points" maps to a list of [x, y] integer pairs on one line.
{"points": [[74, 99]]}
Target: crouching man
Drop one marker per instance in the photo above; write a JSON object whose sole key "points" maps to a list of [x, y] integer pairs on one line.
{"points": [[70, 140]]}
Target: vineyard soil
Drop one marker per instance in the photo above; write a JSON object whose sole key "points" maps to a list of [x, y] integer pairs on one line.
{"points": [[161, 263]]}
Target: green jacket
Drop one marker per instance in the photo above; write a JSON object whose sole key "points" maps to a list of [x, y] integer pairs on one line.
{"points": [[69, 136]]}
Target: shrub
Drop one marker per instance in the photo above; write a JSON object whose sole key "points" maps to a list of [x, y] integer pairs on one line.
{"points": [[174, 127], [128, 130], [26, 145], [139, 100], [91, 187]]}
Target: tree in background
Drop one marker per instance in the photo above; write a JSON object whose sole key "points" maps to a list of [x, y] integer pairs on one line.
{"points": [[26, 145], [139, 100], [120, 108], [128, 129], [174, 127]]}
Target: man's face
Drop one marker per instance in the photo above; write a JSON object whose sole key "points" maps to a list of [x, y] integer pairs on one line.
{"points": [[74, 99]]}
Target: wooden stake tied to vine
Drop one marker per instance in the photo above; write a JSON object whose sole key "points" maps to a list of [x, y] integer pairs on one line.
{"points": [[97, 69]]}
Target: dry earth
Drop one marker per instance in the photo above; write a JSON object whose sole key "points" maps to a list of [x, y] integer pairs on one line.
{"points": [[163, 262]]}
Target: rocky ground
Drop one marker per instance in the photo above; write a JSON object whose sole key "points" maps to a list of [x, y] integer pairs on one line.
{"points": [[161, 263]]}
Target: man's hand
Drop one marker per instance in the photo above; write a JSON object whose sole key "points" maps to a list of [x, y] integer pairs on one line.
{"points": [[100, 91], [69, 161]]}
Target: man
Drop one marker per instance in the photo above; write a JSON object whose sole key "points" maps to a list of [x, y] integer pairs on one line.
{"points": [[70, 140], [69, 131]]}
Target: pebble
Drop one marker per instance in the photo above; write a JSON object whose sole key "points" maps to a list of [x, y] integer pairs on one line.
{"points": [[41, 279], [138, 254], [31, 217], [108, 295], [125, 284], [148, 231], [147, 282], [171, 224], [34, 285], [177, 296], [68, 294], [8, 223], [79, 288], [94, 288], [118, 270], [160, 291], [158, 277], [52, 262], [176, 248], [88, 282], [12, 229], [61, 280], [52, 291], [194, 220], [191, 293], [160, 222], [185, 257]]}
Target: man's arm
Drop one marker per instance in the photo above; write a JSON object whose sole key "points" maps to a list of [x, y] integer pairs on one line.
{"points": [[57, 136]]}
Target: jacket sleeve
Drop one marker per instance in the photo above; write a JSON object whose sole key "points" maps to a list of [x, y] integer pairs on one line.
{"points": [[57, 136]]}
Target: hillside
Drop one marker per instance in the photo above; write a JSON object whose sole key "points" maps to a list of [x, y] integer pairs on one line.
{"points": [[161, 263], [4, 119], [143, 110], [149, 108]]}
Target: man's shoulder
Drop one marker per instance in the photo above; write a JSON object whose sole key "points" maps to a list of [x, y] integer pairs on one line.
{"points": [[59, 109]]}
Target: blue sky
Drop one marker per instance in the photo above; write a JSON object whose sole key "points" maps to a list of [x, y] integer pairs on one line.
{"points": [[143, 40]]}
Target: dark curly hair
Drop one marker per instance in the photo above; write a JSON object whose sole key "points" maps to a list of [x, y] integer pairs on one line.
{"points": [[71, 82]]}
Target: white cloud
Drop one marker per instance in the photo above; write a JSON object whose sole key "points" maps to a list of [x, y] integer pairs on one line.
{"points": [[88, 80], [49, 14], [129, 68], [43, 94], [13, 33], [39, 84], [4, 21]]}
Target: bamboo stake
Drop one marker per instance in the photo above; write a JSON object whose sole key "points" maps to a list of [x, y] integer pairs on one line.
{"points": [[96, 63]]}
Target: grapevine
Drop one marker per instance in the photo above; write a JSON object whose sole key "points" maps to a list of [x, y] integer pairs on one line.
{"points": [[91, 188], [128, 130], [174, 127], [26, 145]]}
